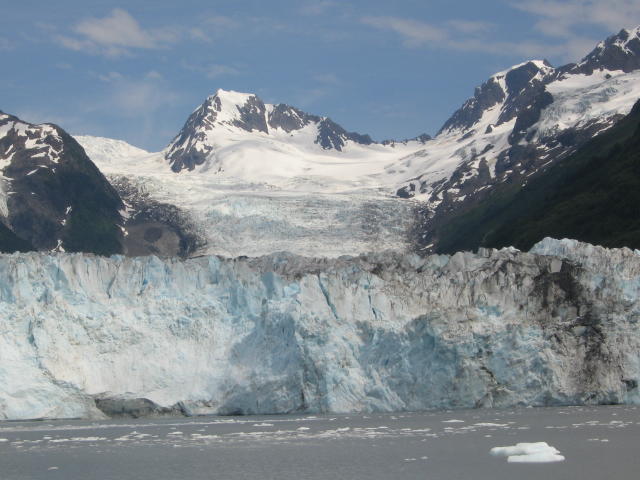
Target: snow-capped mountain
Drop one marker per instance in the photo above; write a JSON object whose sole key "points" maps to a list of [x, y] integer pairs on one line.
{"points": [[228, 116], [51, 195], [333, 192], [519, 121], [253, 178]]}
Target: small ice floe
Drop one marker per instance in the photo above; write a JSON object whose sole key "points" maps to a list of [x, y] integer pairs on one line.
{"points": [[175, 433], [53, 468], [4, 440], [453, 420], [538, 452], [302, 429], [263, 424], [409, 459]]}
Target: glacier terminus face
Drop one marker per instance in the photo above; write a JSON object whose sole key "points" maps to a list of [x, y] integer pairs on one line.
{"points": [[85, 336]]}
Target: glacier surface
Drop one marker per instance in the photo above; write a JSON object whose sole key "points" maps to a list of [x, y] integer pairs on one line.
{"points": [[284, 333]]}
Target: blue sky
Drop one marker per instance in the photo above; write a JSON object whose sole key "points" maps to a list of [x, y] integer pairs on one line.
{"points": [[135, 70]]}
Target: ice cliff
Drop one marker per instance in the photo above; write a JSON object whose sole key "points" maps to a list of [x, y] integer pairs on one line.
{"points": [[82, 335]]}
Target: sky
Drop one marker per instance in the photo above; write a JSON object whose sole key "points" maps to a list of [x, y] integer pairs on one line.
{"points": [[135, 70]]}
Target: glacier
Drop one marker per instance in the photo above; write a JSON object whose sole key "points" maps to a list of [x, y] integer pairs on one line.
{"points": [[84, 336]]}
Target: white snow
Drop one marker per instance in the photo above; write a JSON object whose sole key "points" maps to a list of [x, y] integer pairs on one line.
{"points": [[538, 452], [260, 194]]}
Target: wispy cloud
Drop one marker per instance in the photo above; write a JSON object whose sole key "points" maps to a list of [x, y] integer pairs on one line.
{"points": [[560, 18], [565, 21], [115, 35], [5, 44], [413, 32], [110, 77], [221, 22], [455, 34], [318, 7], [477, 36], [462, 35], [327, 78], [212, 70], [141, 97], [215, 71], [470, 27]]}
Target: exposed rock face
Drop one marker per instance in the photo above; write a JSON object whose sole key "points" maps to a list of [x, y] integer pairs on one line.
{"points": [[618, 52], [153, 227], [51, 194], [289, 118], [333, 136], [283, 333], [486, 96]]}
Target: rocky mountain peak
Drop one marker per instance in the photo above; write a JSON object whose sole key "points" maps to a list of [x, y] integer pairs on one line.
{"points": [[618, 52], [507, 88], [229, 111]]}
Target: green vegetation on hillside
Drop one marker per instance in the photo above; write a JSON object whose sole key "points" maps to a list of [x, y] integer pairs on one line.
{"points": [[592, 196]]}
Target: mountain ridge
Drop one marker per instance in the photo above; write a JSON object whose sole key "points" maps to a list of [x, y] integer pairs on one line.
{"points": [[247, 112], [237, 154]]}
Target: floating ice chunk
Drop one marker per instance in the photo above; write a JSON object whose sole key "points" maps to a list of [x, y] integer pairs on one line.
{"points": [[263, 424], [538, 452], [536, 458], [453, 421]]}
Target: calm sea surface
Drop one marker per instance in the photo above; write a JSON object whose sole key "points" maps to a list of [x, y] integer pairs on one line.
{"points": [[597, 442]]}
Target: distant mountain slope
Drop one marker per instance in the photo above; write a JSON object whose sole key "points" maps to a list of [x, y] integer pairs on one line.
{"points": [[254, 178], [152, 227], [519, 121], [52, 197], [592, 196]]}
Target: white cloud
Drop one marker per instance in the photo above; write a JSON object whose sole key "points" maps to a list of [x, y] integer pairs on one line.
{"points": [[566, 20], [110, 77], [120, 29], [115, 35], [477, 36], [413, 32], [559, 18]]}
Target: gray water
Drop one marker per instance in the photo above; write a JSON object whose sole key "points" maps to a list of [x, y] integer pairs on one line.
{"points": [[597, 442]]}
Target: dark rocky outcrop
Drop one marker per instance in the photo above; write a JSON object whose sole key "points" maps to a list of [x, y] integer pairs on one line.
{"points": [[57, 197]]}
